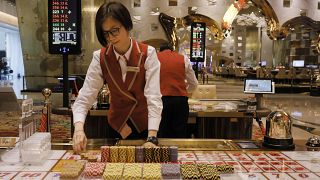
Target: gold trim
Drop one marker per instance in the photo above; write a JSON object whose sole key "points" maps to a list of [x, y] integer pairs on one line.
{"points": [[116, 84], [304, 22], [274, 31], [135, 75], [211, 24], [171, 24]]}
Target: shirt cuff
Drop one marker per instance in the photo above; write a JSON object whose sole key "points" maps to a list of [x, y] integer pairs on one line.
{"points": [[79, 118], [153, 124]]}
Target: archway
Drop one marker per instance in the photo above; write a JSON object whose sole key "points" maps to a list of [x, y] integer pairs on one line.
{"points": [[172, 24], [274, 30]]}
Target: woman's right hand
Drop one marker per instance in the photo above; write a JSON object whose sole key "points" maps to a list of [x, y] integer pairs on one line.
{"points": [[79, 138], [79, 141]]}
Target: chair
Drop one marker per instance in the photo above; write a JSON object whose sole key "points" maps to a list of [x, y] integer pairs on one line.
{"points": [[205, 92], [231, 72], [268, 73], [260, 73], [292, 75], [304, 74], [224, 72], [281, 75], [239, 73]]}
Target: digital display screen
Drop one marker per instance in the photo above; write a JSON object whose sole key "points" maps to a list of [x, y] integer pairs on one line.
{"points": [[312, 66], [263, 63], [258, 86], [64, 26], [298, 63], [197, 45]]}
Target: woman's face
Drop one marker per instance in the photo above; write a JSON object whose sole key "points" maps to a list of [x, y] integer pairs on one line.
{"points": [[115, 33]]}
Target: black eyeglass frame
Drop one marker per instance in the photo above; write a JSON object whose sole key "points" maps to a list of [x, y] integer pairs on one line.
{"points": [[114, 32]]}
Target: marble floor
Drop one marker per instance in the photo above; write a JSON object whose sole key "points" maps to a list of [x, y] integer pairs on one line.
{"points": [[303, 108]]}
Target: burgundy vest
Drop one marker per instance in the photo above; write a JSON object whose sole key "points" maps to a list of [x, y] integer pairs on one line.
{"points": [[127, 98], [172, 74]]}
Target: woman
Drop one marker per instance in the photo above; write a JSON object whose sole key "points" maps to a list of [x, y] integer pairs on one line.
{"points": [[132, 71]]}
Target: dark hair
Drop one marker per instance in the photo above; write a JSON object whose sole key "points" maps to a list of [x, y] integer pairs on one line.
{"points": [[115, 10], [165, 46]]}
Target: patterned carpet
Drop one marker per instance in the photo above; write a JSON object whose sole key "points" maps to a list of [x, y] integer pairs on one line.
{"points": [[60, 125]]}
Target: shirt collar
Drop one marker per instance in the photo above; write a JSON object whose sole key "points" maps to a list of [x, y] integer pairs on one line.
{"points": [[127, 54]]}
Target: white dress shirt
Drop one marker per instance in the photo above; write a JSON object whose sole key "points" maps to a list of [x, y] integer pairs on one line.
{"points": [[94, 81], [191, 78], [123, 61]]}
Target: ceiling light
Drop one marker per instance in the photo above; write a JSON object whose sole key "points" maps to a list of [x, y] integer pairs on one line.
{"points": [[155, 11], [212, 2]]}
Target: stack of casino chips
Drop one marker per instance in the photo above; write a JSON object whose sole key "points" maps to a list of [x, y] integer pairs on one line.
{"points": [[113, 171], [132, 171], [165, 154], [131, 154], [89, 157], [208, 171], [148, 155], [173, 153], [139, 154], [72, 170], [105, 153], [151, 171], [157, 154], [94, 169], [170, 171], [114, 153], [160, 154], [59, 166], [225, 168], [122, 157], [190, 171]]}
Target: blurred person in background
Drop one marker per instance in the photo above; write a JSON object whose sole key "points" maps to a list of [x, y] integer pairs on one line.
{"points": [[177, 80]]}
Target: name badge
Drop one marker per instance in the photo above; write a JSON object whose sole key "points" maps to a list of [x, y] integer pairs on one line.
{"points": [[133, 69]]}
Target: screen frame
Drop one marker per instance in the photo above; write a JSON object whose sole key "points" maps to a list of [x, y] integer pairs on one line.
{"points": [[259, 92], [59, 48], [247, 145], [299, 60], [203, 40]]}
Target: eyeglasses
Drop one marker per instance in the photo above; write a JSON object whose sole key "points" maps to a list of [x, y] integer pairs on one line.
{"points": [[114, 32]]}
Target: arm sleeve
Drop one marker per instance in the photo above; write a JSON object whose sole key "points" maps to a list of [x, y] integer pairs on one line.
{"points": [[192, 81], [89, 91], [152, 89]]}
